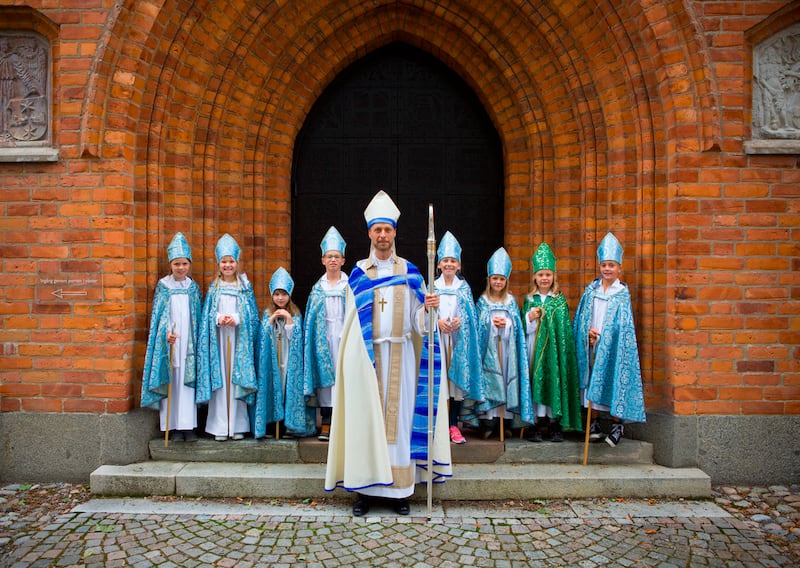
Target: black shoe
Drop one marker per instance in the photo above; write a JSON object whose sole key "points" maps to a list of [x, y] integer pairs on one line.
{"points": [[486, 429], [617, 429], [189, 435], [535, 436], [595, 432], [555, 432], [176, 436], [402, 507], [361, 506]]}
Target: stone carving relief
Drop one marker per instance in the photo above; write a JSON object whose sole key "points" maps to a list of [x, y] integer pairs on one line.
{"points": [[776, 86], [24, 92]]}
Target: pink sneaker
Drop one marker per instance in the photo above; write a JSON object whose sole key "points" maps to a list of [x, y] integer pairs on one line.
{"points": [[456, 437]]}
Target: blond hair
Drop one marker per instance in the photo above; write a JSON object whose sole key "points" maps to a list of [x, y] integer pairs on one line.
{"points": [[554, 288], [503, 293]]}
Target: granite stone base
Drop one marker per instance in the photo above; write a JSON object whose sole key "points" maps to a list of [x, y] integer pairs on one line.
{"points": [[45, 447]]}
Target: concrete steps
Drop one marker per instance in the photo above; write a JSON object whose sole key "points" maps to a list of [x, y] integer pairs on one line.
{"points": [[483, 470]]}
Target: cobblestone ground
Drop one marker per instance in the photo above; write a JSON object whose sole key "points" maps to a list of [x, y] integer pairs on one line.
{"points": [[541, 533]]}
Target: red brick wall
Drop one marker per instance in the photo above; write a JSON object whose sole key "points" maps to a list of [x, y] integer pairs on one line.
{"points": [[615, 115]]}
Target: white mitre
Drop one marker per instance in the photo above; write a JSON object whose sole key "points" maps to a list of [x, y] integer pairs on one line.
{"points": [[381, 210]]}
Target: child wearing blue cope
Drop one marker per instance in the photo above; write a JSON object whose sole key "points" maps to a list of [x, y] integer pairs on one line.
{"points": [[501, 337], [605, 339], [170, 367], [323, 329], [280, 395], [227, 377]]}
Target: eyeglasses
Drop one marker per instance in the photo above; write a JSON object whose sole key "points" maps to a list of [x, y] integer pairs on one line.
{"points": [[332, 257]]}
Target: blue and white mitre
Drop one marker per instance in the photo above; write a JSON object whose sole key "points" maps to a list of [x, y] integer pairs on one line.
{"points": [[332, 241], [227, 246], [609, 249], [381, 210], [179, 248], [499, 264], [449, 247], [281, 280]]}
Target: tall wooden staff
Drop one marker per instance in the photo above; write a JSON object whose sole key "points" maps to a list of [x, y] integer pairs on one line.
{"points": [[502, 407], [229, 380], [169, 385], [431, 358], [588, 409], [279, 324], [588, 427]]}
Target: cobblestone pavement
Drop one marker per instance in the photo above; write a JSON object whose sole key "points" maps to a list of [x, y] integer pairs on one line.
{"points": [[725, 531]]}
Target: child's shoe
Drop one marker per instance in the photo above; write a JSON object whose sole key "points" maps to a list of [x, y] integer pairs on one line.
{"points": [[617, 429], [456, 437], [324, 433], [555, 432], [536, 435], [487, 428], [595, 432]]}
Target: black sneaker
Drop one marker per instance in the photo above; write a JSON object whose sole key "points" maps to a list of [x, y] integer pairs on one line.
{"points": [[617, 429], [595, 432]]}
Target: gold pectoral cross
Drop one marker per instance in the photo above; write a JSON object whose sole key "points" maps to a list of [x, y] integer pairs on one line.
{"points": [[382, 302]]}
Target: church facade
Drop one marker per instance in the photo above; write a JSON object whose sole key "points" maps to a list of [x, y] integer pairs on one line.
{"points": [[674, 124]]}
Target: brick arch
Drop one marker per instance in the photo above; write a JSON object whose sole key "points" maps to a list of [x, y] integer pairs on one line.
{"points": [[590, 102]]}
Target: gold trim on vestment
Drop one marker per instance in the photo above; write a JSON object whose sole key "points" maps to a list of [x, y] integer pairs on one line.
{"points": [[403, 476], [390, 406]]}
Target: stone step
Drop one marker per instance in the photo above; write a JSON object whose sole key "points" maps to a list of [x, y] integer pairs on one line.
{"points": [[470, 482], [475, 451]]}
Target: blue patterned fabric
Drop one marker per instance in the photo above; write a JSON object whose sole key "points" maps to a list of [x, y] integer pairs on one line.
{"points": [[465, 361], [272, 403], [363, 288], [156, 378], [244, 374], [614, 378], [515, 393], [318, 371]]}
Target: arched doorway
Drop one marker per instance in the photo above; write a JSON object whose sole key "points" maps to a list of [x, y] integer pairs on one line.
{"points": [[402, 121]]}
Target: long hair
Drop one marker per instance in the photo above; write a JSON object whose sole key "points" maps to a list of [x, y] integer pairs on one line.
{"points": [[291, 307]]}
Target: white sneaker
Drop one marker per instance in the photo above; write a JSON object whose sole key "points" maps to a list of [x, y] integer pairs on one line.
{"points": [[220, 438], [238, 436]]}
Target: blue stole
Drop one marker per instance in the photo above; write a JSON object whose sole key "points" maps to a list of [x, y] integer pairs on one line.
{"points": [[363, 289]]}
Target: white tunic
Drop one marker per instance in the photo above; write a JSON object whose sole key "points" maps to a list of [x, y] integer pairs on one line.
{"points": [[334, 320], [218, 423], [448, 309], [182, 409]]}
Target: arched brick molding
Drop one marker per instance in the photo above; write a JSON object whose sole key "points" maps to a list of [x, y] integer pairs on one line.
{"points": [[590, 102]]}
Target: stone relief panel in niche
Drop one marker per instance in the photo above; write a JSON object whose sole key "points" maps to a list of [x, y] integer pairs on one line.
{"points": [[776, 86], [24, 90]]}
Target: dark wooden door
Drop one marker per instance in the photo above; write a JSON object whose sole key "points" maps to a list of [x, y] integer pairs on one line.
{"points": [[402, 121]]}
